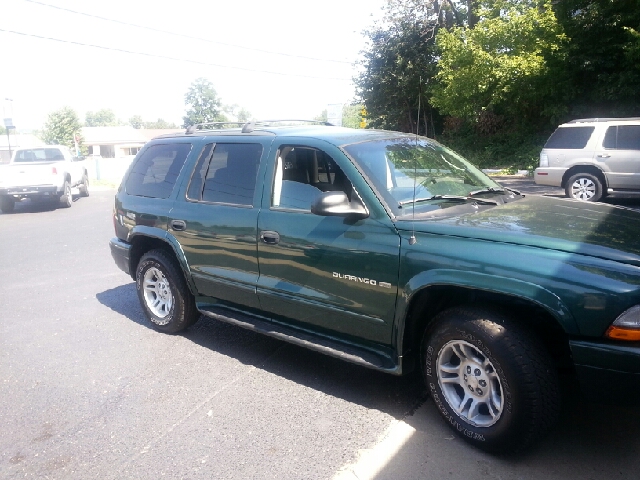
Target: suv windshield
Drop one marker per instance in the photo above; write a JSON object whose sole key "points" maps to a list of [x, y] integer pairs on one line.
{"points": [[420, 169]]}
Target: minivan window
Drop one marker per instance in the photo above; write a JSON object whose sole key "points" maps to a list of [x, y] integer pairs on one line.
{"points": [[570, 138], [156, 170]]}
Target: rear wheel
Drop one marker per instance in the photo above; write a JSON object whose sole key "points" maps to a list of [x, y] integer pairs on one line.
{"points": [[66, 199], [84, 186], [7, 203], [492, 381], [167, 302], [585, 187]]}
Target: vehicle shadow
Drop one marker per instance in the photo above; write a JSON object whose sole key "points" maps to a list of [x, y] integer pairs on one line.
{"points": [[30, 206], [589, 441]]}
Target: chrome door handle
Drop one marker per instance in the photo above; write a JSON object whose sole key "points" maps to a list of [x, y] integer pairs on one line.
{"points": [[178, 225], [603, 155], [270, 238]]}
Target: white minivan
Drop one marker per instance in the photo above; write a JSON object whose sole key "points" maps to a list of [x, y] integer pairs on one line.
{"points": [[591, 158]]}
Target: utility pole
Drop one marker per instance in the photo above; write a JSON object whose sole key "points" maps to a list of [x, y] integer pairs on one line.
{"points": [[8, 124]]}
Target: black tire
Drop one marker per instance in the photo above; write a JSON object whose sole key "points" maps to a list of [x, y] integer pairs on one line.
{"points": [[66, 199], [7, 204], [584, 186], [515, 387], [169, 305], [84, 186]]}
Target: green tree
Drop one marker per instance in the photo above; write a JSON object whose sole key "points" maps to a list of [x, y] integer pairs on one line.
{"points": [[101, 118], [136, 122], [61, 126], [401, 60], [603, 56], [323, 117], [351, 115], [159, 124], [203, 104], [500, 71]]}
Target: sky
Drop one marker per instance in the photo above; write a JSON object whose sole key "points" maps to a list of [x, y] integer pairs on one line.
{"points": [[277, 59]]}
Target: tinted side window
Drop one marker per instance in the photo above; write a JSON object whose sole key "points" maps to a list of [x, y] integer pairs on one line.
{"points": [[610, 138], [303, 173], [570, 137], [156, 170], [628, 137], [226, 173]]}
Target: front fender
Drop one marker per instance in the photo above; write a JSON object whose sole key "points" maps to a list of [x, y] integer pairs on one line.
{"points": [[489, 283]]}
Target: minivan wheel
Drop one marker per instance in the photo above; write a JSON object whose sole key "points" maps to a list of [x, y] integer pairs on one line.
{"points": [[585, 187], [492, 381], [163, 293]]}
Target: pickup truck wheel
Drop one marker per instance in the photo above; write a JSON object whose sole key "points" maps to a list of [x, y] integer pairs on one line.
{"points": [[66, 199], [7, 204], [84, 186], [493, 382], [167, 302], [585, 187]]}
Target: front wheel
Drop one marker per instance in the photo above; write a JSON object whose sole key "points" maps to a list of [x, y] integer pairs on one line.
{"points": [[585, 187], [492, 381], [163, 293]]}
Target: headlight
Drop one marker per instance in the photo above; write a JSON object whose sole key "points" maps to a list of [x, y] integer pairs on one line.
{"points": [[544, 160], [626, 326]]}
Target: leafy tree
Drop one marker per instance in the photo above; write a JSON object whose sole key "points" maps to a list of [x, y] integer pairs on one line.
{"points": [[159, 124], [603, 56], [203, 104], [101, 118], [351, 115], [136, 122], [2, 130], [500, 71], [401, 60], [323, 117], [61, 126]]}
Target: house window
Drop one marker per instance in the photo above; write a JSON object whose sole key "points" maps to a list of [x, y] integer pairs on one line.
{"points": [[131, 150]]}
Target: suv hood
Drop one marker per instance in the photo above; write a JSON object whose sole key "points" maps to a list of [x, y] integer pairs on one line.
{"points": [[593, 229]]}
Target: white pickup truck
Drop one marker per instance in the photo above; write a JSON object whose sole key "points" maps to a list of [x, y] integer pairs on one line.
{"points": [[42, 173]]}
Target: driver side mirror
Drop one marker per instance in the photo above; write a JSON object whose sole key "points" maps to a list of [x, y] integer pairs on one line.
{"points": [[337, 204]]}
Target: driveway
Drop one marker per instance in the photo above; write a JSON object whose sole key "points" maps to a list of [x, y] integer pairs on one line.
{"points": [[89, 391]]}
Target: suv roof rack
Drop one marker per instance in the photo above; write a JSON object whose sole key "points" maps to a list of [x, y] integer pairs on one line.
{"points": [[597, 120], [248, 127]]}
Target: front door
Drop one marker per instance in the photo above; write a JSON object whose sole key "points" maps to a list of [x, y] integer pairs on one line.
{"points": [[327, 273]]}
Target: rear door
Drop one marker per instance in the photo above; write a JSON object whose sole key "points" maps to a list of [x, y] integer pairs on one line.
{"points": [[215, 220], [620, 152]]}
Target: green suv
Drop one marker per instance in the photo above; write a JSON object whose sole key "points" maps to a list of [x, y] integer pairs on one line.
{"points": [[390, 251]]}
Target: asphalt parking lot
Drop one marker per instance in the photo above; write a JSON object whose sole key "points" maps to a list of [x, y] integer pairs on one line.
{"points": [[89, 391]]}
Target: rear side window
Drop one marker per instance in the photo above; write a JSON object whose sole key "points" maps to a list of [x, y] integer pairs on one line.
{"points": [[155, 172], [226, 173], [570, 138], [622, 137]]}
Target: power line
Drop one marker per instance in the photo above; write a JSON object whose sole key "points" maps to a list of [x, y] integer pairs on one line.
{"points": [[165, 57], [190, 37]]}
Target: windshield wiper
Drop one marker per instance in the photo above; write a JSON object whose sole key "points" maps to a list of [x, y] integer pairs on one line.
{"points": [[482, 201], [494, 190]]}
